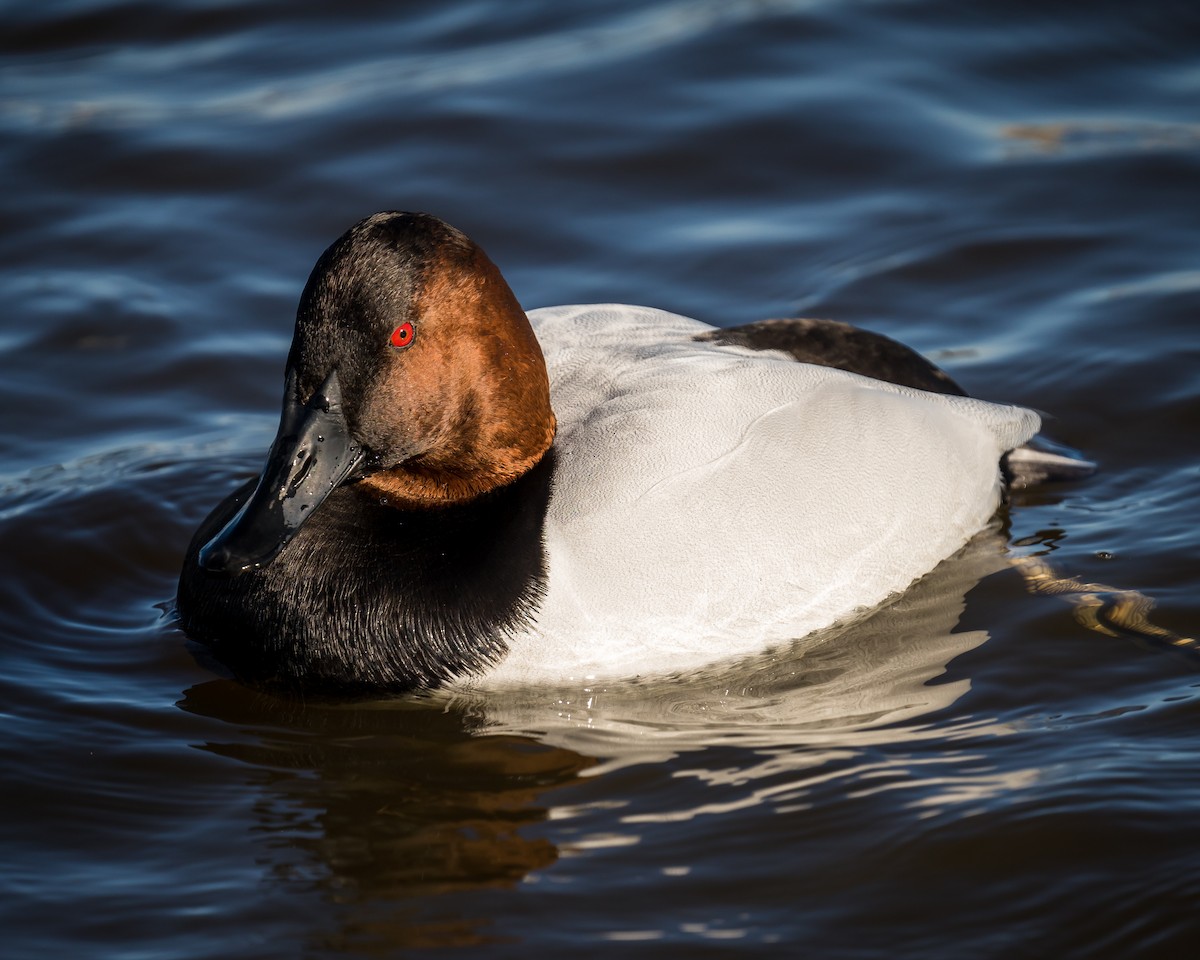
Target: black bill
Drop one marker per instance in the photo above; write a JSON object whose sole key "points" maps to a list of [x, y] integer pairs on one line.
{"points": [[312, 453]]}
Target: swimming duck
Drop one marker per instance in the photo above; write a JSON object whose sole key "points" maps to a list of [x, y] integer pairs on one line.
{"points": [[463, 492]]}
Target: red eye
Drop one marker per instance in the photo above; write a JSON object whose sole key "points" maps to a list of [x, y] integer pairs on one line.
{"points": [[402, 336]]}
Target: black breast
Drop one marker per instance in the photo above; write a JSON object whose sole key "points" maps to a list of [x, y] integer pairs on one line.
{"points": [[368, 598]]}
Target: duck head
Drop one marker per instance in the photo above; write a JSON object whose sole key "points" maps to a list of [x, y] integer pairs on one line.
{"points": [[413, 371]]}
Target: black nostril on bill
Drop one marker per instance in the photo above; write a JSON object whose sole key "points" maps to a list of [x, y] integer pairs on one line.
{"points": [[303, 466]]}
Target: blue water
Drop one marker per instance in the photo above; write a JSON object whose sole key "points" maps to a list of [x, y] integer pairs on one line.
{"points": [[1012, 188]]}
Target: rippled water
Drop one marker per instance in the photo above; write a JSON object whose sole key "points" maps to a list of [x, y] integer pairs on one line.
{"points": [[1010, 187]]}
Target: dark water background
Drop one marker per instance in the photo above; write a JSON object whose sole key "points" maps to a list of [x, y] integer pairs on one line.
{"points": [[1013, 188]]}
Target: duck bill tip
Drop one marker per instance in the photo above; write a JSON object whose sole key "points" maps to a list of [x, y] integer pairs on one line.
{"points": [[221, 556], [313, 453]]}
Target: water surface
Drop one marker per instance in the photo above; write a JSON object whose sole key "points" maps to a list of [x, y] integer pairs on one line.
{"points": [[1009, 187]]}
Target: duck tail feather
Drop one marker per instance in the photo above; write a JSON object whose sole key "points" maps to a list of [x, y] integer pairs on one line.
{"points": [[1043, 461]]}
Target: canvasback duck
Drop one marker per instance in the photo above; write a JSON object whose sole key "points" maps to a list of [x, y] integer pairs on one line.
{"points": [[463, 492]]}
